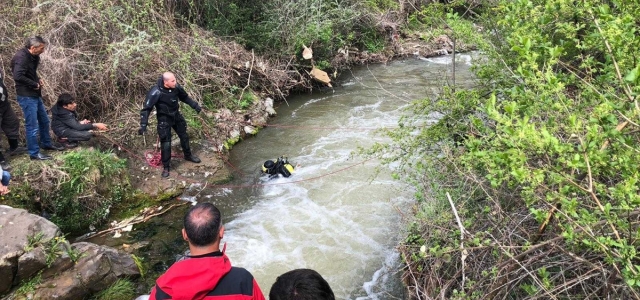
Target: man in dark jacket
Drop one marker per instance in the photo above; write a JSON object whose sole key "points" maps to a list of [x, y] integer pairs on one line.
{"points": [[207, 272], [164, 96], [24, 66], [65, 124], [9, 123]]}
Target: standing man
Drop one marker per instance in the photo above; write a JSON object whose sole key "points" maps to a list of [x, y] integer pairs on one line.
{"points": [[9, 123], [207, 272], [164, 97], [24, 66]]}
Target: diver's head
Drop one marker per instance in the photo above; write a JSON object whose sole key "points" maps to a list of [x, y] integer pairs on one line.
{"points": [[269, 164]]}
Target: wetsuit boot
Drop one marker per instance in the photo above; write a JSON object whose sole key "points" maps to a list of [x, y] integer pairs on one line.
{"points": [[165, 172], [187, 152], [165, 154]]}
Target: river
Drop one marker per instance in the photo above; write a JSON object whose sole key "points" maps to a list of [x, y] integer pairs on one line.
{"points": [[340, 214]]}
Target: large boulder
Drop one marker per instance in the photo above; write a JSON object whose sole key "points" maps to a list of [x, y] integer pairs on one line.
{"points": [[31, 245], [17, 226], [97, 268]]}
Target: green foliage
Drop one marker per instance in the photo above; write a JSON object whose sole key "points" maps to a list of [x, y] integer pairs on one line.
{"points": [[119, 290], [34, 241], [28, 287], [56, 247], [281, 27], [77, 189], [140, 264], [546, 145], [382, 5], [228, 144], [373, 41], [92, 182], [431, 21]]}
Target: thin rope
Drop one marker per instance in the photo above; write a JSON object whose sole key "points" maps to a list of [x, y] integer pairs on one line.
{"points": [[246, 185]]}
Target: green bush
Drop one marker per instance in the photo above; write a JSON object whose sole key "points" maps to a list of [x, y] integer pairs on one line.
{"points": [[541, 158], [77, 189], [93, 182], [281, 27]]}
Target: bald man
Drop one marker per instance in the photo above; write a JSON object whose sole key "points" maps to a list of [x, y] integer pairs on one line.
{"points": [[207, 272], [164, 97]]}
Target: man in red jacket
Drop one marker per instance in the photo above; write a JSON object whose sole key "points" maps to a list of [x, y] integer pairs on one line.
{"points": [[207, 272]]}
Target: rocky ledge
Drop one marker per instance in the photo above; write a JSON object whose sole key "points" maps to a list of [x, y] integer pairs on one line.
{"points": [[36, 262]]}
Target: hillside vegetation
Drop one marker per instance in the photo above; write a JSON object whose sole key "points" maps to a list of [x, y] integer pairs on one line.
{"points": [[530, 182]]}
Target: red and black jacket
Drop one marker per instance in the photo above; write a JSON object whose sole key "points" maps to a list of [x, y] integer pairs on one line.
{"points": [[208, 276]]}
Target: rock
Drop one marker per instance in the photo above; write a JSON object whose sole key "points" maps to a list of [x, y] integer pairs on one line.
{"points": [[268, 107], [16, 225], [268, 102], [30, 263], [97, 268], [321, 76], [8, 267], [234, 133], [249, 129]]}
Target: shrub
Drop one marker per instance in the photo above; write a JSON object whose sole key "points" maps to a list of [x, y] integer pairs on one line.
{"points": [[78, 189], [541, 158]]}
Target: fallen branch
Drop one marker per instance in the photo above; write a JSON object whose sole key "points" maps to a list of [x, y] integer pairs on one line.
{"points": [[136, 220], [463, 252]]}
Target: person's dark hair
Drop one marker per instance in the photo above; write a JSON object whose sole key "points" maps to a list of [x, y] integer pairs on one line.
{"points": [[65, 99], [34, 41], [202, 224], [301, 284]]}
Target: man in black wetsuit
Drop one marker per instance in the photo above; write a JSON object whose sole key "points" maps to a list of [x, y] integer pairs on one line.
{"points": [[164, 96]]}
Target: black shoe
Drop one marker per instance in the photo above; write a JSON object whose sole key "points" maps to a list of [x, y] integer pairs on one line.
{"points": [[192, 158], [53, 147], [70, 145], [40, 156], [165, 172], [5, 165], [16, 151]]}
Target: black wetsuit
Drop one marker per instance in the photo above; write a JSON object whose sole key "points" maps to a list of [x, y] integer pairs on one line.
{"points": [[166, 102]]}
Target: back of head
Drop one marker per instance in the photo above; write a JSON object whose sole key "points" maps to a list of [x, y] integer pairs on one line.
{"points": [[301, 284], [268, 164], [202, 224], [64, 99]]}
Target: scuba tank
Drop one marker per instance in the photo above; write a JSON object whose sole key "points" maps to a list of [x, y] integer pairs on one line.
{"points": [[284, 168]]}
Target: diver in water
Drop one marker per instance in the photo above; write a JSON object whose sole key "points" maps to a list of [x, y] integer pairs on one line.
{"points": [[280, 166]]}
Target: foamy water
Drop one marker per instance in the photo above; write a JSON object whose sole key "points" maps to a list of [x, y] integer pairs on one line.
{"points": [[336, 214]]}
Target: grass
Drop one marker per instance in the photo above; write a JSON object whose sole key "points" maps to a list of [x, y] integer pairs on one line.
{"points": [[120, 290]]}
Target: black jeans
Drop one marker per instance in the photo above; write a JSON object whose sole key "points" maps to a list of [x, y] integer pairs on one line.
{"points": [[76, 135]]}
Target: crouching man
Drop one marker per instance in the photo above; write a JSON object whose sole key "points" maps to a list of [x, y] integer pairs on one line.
{"points": [[65, 122]]}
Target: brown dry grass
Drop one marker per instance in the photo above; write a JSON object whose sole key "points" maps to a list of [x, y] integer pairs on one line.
{"points": [[108, 53]]}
